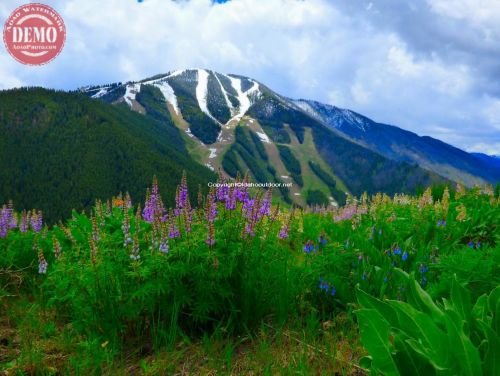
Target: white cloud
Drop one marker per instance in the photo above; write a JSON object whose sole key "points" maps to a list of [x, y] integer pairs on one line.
{"points": [[311, 49]]}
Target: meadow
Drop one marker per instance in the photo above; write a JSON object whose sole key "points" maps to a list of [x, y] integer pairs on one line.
{"points": [[232, 283]]}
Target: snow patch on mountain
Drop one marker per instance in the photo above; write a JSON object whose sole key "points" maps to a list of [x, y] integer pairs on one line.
{"points": [[169, 95], [202, 91], [213, 153], [226, 97], [264, 137], [243, 97], [100, 93], [131, 92]]}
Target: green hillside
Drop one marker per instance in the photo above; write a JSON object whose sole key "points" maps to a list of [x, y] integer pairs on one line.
{"points": [[60, 151]]}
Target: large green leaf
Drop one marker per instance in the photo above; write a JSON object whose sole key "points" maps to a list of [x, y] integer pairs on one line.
{"points": [[479, 311], [460, 299], [463, 350], [375, 332], [368, 301], [494, 305], [421, 300], [421, 327], [491, 363], [409, 361]]}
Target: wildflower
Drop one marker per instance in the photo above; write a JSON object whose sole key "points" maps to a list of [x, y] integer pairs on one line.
{"points": [[173, 231], [211, 234], [441, 223], [284, 231], [231, 199], [423, 282], [56, 246], [135, 250], [404, 257], [265, 208], [322, 240], [462, 213], [24, 222], [397, 251], [423, 269], [211, 208], [164, 246], [153, 207], [308, 247], [471, 244], [42, 263], [36, 221]]}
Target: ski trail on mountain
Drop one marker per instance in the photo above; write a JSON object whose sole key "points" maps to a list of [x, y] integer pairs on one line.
{"points": [[131, 92], [202, 92], [169, 95], [244, 98], [224, 93]]}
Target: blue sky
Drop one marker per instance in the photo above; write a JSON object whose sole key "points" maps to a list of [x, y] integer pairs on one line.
{"points": [[429, 66]]}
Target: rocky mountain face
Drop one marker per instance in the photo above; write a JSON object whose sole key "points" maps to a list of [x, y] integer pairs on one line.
{"points": [[235, 125]]}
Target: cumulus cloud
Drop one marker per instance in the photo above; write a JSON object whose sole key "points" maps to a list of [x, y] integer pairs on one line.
{"points": [[427, 66]]}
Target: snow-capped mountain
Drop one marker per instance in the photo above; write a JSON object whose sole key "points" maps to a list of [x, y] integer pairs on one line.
{"points": [[236, 124]]}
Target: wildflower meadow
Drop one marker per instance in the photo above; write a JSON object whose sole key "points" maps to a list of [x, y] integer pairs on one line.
{"points": [[234, 283]]}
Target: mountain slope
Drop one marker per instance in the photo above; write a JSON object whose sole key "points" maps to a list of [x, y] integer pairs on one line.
{"points": [[210, 108], [60, 150], [398, 144]]}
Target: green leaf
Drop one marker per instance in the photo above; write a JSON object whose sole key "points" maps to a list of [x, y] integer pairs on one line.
{"points": [[412, 362], [491, 362], [421, 300], [375, 333], [368, 301], [479, 310], [460, 299], [494, 306], [463, 350]]}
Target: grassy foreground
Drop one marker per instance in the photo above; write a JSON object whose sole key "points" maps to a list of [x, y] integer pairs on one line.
{"points": [[401, 285]]}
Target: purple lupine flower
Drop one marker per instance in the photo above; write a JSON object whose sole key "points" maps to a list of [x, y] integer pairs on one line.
{"points": [[36, 221], [211, 234], [231, 199], [222, 190], [173, 231], [163, 248], [5, 215], [135, 256], [211, 208], [182, 196], [24, 222], [283, 234], [153, 207], [265, 208], [42, 263], [248, 206]]}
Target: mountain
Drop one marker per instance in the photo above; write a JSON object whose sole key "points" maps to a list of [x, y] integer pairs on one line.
{"points": [[60, 151], [237, 124], [398, 144], [492, 160]]}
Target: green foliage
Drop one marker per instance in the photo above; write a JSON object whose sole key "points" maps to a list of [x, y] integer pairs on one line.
{"points": [[428, 277], [337, 194], [151, 98], [316, 197], [216, 102], [424, 338], [201, 125], [62, 151], [291, 163]]}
